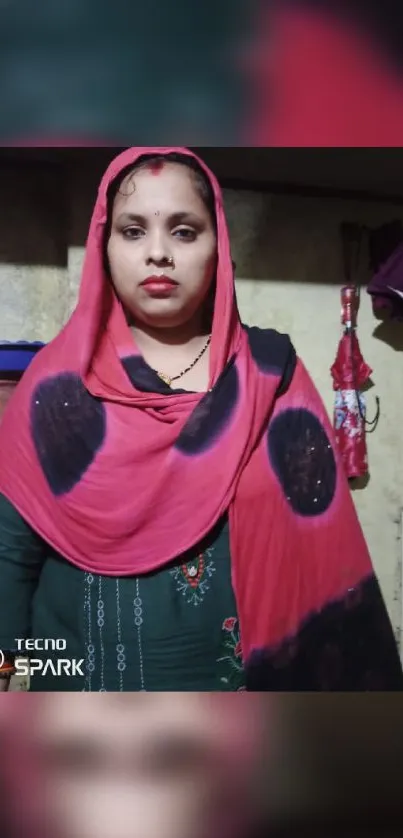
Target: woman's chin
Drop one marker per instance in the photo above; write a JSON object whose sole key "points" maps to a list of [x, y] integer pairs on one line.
{"points": [[162, 314]]}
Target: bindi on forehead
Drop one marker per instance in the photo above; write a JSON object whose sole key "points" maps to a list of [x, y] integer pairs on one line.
{"points": [[156, 166], [128, 186]]}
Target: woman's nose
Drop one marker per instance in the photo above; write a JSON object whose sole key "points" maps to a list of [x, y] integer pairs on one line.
{"points": [[158, 250]]}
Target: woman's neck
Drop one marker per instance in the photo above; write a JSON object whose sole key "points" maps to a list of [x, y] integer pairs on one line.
{"points": [[179, 336], [172, 350]]}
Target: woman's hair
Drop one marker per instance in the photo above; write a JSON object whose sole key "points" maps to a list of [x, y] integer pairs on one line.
{"points": [[201, 181]]}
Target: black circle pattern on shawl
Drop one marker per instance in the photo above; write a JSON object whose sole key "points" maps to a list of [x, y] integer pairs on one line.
{"points": [[142, 376], [211, 417], [273, 354], [303, 460], [68, 427]]}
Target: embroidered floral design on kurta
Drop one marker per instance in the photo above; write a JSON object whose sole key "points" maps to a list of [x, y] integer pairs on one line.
{"points": [[193, 578], [232, 663]]}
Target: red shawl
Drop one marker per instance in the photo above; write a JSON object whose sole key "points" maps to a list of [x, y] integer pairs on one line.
{"points": [[120, 479]]}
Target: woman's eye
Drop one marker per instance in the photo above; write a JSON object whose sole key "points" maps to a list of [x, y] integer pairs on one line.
{"points": [[186, 233], [132, 233]]}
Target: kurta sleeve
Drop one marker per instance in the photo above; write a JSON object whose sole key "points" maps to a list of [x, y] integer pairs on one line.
{"points": [[21, 561]]}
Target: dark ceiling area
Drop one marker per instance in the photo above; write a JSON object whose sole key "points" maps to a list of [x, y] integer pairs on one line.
{"points": [[345, 172], [376, 172]]}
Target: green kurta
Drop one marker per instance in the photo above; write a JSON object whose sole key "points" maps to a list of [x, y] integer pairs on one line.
{"points": [[175, 629]]}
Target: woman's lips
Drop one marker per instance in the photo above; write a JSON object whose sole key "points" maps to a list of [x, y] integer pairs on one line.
{"points": [[159, 286]]}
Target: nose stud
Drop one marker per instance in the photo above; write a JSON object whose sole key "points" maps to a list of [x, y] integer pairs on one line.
{"points": [[170, 261]]}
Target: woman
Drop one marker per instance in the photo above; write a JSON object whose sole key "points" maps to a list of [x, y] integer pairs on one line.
{"points": [[183, 766], [172, 507]]}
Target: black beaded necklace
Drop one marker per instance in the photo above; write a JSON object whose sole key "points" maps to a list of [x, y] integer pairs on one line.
{"points": [[169, 379]]}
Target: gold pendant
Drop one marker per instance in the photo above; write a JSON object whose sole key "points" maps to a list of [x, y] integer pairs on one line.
{"points": [[165, 378]]}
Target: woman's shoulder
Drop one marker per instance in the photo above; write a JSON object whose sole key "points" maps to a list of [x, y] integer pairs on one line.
{"points": [[268, 339], [273, 351]]}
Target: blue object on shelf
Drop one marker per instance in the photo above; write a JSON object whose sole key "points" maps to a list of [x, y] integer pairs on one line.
{"points": [[16, 356]]}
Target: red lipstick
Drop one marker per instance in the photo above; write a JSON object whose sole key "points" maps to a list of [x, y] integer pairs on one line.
{"points": [[159, 286]]}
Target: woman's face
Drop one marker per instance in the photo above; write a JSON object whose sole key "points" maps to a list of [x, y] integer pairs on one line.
{"points": [[170, 766], [161, 227]]}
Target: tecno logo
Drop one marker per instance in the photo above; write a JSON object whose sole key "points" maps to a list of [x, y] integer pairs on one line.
{"points": [[38, 644], [62, 666], [27, 665]]}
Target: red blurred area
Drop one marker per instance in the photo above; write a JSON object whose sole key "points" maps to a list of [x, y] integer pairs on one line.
{"points": [[321, 79]]}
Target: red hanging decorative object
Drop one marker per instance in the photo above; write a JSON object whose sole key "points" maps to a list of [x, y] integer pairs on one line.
{"points": [[350, 373]]}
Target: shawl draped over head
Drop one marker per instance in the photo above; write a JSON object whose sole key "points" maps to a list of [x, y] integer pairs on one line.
{"points": [[121, 479]]}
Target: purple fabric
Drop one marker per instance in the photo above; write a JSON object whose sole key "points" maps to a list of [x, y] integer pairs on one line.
{"points": [[386, 286]]}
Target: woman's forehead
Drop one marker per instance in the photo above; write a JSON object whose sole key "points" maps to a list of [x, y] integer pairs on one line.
{"points": [[172, 185], [137, 719], [157, 171]]}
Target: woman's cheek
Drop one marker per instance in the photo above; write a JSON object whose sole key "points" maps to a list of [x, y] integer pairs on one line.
{"points": [[113, 809]]}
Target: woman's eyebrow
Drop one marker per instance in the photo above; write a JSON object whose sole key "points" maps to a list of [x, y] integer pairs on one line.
{"points": [[176, 218], [126, 217], [183, 217]]}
